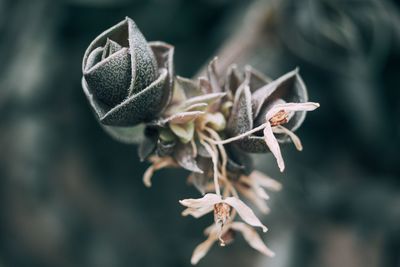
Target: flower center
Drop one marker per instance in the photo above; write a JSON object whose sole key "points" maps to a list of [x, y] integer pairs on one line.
{"points": [[281, 117], [221, 212]]}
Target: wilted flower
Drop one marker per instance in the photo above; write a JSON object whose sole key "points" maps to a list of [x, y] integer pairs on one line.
{"points": [[256, 103], [227, 235], [201, 206], [126, 79], [207, 126], [277, 115]]}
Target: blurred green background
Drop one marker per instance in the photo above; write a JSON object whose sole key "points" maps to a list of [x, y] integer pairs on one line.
{"points": [[72, 196]]}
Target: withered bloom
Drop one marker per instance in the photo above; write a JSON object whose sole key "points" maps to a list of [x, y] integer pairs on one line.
{"points": [[208, 126]]}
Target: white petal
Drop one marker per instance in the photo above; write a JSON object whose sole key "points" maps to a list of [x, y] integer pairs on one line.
{"points": [[291, 107], [245, 212], [209, 200], [197, 213], [254, 186], [147, 176], [251, 236], [183, 117], [201, 250], [265, 181], [250, 195], [273, 145], [295, 139], [197, 106]]}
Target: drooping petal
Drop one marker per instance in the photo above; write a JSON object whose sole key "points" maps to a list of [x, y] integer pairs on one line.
{"points": [[253, 198], [273, 145], [295, 139], [158, 163], [251, 236], [245, 212], [206, 201], [258, 190], [265, 181], [201, 250], [291, 107], [148, 174], [197, 106], [183, 117], [197, 213]]}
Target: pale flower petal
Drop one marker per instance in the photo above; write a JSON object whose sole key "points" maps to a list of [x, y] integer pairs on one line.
{"points": [[291, 107], [209, 200], [197, 213], [273, 145], [147, 176], [201, 250], [295, 139], [158, 163], [183, 117], [251, 195], [254, 187], [251, 236], [245, 212], [265, 181]]}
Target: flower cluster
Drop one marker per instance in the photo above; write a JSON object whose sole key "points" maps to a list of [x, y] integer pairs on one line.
{"points": [[208, 126]]}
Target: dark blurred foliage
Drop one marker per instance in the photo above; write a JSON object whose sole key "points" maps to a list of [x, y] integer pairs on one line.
{"points": [[72, 196]]}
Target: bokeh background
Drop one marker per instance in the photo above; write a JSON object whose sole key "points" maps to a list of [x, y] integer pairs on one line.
{"points": [[72, 196]]}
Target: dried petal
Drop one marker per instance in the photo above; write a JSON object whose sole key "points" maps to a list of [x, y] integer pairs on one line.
{"points": [[209, 200], [183, 117], [245, 212], [201, 250], [273, 145], [197, 213], [295, 139], [265, 181], [252, 238], [248, 193]]}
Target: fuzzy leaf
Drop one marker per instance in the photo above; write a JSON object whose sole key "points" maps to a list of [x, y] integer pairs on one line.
{"points": [[139, 107], [123, 79], [128, 135]]}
